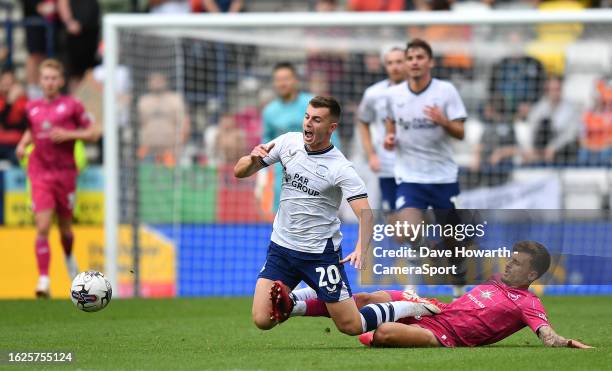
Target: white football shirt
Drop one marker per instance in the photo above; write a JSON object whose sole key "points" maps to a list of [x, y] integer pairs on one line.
{"points": [[312, 190], [423, 149], [373, 111]]}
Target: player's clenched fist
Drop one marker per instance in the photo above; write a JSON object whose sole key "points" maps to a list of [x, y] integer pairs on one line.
{"points": [[389, 142], [262, 150]]}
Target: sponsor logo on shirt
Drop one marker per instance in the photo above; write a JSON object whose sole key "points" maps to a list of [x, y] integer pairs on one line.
{"points": [[300, 182], [478, 302], [513, 297], [417, 123], [543, 316]]}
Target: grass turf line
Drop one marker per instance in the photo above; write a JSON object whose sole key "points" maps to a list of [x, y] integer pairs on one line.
{"points": [[217, 333]]}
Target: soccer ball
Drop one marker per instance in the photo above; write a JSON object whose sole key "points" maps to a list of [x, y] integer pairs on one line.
{"points": [[91, 291]]}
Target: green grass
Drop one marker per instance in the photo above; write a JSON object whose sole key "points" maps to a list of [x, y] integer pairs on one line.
{"points": [[218, 334]]}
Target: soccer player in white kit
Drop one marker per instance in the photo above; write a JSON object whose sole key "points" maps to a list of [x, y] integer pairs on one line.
{"points": [[424, 114], [305, 241], [372, 114]]}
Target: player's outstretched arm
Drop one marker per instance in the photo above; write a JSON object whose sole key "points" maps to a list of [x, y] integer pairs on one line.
{"points": [[253, 162], [368, 147], [25, 140], [551, 339], [361, 208]]}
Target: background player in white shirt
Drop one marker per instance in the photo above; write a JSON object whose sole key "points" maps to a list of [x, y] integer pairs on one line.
{"points": [[305, 242], [425, 113], [372, 115]]}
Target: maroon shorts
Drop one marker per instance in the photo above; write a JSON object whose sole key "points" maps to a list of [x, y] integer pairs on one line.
{"points": [[54, 190], [445, 335]]}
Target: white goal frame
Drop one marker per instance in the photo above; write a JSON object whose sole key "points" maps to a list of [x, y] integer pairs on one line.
{"points": [[114, 22]]}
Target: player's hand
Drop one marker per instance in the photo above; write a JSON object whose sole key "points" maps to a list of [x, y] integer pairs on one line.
{"points": [[549, 155], [20, 151], [434, 113], [496, 157], [262, 150], [353, 258], [73, 27], [389, 143], [374, 162], [59, 135], [578, 345]]}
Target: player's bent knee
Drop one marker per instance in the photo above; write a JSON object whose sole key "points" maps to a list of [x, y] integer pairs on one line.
{"points": [[383, 335], [350, 328], [262, 321]]}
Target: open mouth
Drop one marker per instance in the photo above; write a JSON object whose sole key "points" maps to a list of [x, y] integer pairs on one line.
{"points": [[308, 135]]}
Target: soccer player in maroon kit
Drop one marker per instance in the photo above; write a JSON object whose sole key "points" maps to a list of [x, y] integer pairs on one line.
{"points": [[485, 315], [55, 122]]}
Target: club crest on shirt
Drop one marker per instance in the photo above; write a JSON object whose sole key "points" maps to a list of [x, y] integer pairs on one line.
{"points": [[322, 170], [486, 294]]}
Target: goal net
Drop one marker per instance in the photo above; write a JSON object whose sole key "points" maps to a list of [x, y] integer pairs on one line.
{"points": [[536, 86]]}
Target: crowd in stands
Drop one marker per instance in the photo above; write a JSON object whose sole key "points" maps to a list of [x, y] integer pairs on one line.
{"points": [[524, 93]]}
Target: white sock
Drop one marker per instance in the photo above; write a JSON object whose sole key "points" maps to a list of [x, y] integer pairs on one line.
{"points": [[299, 309], [373, 315], [71, 265], [303, 294], [408, 309]]}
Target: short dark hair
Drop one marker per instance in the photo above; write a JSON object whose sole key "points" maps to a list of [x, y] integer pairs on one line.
{"points": [[540, 258], [7, 70], [420, 43], [328, 102], [285, 65]]}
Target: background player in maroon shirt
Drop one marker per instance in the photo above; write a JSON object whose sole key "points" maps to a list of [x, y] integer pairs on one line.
{"points": [[55, 122], [486, 314]]}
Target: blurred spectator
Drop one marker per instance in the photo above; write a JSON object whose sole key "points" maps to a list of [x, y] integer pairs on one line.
{"points": [[36, 39], [450, 62], [554, 123], [375, 5], [13, 120], [428, 5], [230, 143], [82, 21], [168, 6], [494, 155], [164, 122], [325, 68], [216, 6], [284, 114], [597, 132], [91, 91], [518, 78], [249, 119], [123, 87]]}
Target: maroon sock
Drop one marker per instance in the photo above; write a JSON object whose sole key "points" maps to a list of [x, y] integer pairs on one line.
{"points": [[43, 255], [316, 308], [396, 295], [67, 241]]}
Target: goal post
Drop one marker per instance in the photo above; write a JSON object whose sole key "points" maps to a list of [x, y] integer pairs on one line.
{"points": [[222, 62]]}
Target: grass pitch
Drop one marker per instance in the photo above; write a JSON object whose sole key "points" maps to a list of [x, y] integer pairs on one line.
{"points": [[218, 334]]}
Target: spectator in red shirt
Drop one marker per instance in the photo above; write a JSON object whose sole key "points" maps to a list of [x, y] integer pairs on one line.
{"points": [[376, 6], [13, 121]]}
